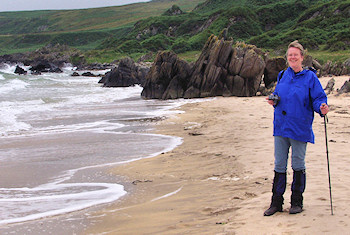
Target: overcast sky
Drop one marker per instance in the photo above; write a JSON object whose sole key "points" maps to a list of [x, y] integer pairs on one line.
{"points": [[29, 5]]}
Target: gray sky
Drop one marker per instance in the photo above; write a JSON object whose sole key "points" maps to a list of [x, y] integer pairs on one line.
{"points": [[29, 5]]}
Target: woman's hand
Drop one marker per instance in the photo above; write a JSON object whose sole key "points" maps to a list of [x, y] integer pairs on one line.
{"points": [[269, 101], [324, 109]]}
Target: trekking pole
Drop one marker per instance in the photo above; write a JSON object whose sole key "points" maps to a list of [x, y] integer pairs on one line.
{"points": [[329, 175]]}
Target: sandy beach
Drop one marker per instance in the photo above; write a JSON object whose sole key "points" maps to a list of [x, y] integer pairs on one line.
{"points": [[219, 180]]}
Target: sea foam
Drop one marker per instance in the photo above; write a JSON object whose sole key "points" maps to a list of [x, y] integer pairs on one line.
{"points": [[47, 201], [55, 107]]}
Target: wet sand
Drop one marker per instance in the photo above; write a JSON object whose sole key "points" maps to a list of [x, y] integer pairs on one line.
{"points": [[219, 180]]}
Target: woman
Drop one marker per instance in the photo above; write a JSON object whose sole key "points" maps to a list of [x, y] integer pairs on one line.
{"points": [[300, 95]]}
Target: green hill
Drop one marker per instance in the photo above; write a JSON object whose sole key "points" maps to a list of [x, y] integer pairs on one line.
{"points": [[269, 24], [84, 29], [137, 29]]}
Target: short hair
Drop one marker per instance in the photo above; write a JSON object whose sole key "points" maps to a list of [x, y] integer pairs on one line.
{"points": [[296, 44]]}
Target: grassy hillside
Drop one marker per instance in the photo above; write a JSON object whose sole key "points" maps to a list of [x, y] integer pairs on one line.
{"points": [[267, 24], [84, 29], [322, 26], [324, 23]]}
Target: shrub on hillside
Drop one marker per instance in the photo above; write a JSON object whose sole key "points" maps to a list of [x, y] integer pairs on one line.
{"points": [[340, 41], [241, 22], [192, 25], [157, 42], [197, 41], [130, 46], [180, 45]]}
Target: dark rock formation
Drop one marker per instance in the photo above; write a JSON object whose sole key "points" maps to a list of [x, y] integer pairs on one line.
{"points": [[310, 62], [126, 74], [174, 10], [272, 68], [75, 74], [167, 78], [223, 70], [330, 86], [43, 67], [89, 74], [219, 71], [345, 88], [20, 70], [14, 58], [50, 57], [96, 66], [336, 69]]}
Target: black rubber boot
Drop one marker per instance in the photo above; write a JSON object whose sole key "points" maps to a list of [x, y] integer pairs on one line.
{"points": [[298, 188], [278, 189]]}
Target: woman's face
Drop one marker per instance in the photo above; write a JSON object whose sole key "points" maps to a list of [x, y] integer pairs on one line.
{"points": [[295, 59]]}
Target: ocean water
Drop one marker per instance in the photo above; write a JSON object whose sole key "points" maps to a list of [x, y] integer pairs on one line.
{"points": [[59, 135]]}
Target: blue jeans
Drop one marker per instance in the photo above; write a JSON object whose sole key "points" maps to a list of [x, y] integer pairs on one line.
{"points": [[282, 146]]}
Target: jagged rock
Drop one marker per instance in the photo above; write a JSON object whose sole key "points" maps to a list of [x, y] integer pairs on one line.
{"points": [[345, 88], [347, 63], [146, 57], [126, 74], [307, 62], [316, 64], [167, 78], [96, 66], [44, 67], [75, 74], [56, 70], [89, 74], [210, 70], [57, 55], [219, 71], [330, 85], [14, 58], [310, 62], [336, 69], [272, 68], [174, 10], [20, 70], [222, 70]]}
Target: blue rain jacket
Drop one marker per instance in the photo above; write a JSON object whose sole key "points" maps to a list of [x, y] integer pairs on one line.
{"points": [[300, 95]]}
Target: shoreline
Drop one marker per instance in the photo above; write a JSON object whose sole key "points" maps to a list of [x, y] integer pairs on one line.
{"points": [[219, 180]]}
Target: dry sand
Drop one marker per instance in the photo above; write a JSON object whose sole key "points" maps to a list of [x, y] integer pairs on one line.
{"points": [[219, 180]]}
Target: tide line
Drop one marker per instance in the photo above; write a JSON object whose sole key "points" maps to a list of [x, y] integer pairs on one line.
{"points": [[167, 195]]}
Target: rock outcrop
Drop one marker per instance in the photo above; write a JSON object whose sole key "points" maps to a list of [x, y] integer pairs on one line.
{"points": [[51, 58], [272, 68], [167, 78], [225, 71], [336, 69], [219, 71], [44, 66], [19, 70], [126, 74], [330, 86], [89, 74], [174, 10], [345, 87]]}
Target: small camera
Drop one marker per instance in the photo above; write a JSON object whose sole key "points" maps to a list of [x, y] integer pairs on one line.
{"points": [[275, 98]]}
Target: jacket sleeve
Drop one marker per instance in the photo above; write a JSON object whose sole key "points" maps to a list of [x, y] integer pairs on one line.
{"points": [[318, 96]]}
